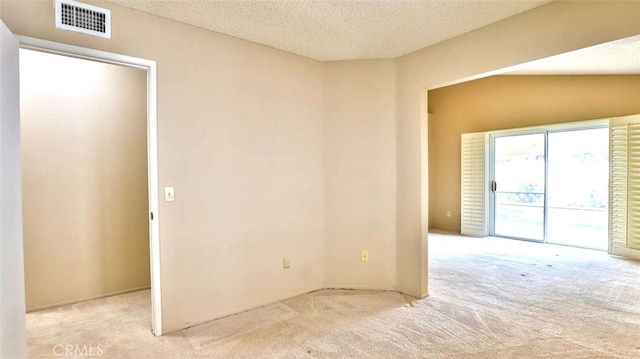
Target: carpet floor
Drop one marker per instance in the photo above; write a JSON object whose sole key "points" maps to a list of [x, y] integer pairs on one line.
{"points": [[489, 298]]}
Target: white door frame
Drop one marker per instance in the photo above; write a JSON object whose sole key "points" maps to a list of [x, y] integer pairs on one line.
{"points": [[152, 148]]}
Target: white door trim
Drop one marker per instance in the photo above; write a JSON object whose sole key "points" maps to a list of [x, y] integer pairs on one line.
{"points": [[152, 148], [13, 332]]}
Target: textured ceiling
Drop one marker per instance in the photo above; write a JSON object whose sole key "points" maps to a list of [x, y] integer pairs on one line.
{"points": [[609, 59], [338, 29]]}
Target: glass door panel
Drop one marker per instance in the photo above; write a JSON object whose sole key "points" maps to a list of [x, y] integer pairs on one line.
{"points": [[519, 172], [578, 188]]}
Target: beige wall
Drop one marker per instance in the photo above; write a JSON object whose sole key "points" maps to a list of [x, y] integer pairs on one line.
{"points": [[241, 138], [504, 102], [558, 27], [84, 165], [359, 152]]}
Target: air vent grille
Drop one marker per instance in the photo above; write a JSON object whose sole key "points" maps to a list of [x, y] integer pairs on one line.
{"points": [[87, 19]]}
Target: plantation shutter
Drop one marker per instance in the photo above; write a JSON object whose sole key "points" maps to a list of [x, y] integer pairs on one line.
{"points": [[624, 187], [473, 172]]}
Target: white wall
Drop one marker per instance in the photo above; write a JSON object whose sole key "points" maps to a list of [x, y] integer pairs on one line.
{"points": [[13, 337]]}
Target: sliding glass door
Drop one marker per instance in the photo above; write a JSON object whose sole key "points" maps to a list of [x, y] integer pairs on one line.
{"points": [[519, 186], [578, 187], [551, 186]]}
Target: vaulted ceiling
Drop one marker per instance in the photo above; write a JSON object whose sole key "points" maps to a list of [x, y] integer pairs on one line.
{"points": [[618, 58]]}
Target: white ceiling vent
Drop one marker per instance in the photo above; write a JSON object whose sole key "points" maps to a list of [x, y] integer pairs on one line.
{"points": [[87, 19]]}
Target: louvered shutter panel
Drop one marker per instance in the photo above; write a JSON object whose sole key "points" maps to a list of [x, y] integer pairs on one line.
{"points": [[618, 184], [474, 204], [624, 187]]}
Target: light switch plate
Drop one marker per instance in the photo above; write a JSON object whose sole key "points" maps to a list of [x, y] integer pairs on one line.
{"points": [[169, 194]]}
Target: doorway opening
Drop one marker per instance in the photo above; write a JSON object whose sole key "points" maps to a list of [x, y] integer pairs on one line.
{"points": [[551, 186], [84, 179], [110, 184]]}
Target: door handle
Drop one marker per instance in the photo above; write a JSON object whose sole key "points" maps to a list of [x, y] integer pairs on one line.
{"points": [[494, 186]]}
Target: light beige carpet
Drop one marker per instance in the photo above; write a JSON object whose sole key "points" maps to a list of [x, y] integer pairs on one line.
{"points": [[489, 298]]}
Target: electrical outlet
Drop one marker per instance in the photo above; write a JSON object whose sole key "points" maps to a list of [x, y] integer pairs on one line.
{"points": [[448, 213], [285, 263], [364, 255]]}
